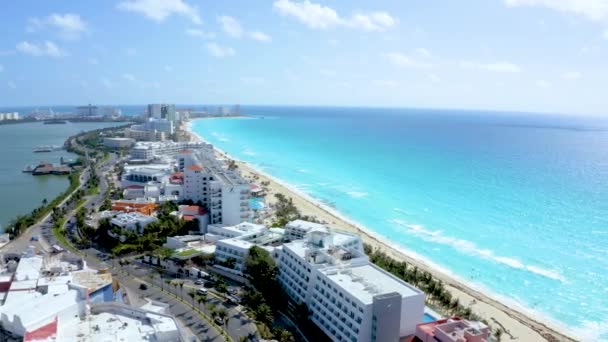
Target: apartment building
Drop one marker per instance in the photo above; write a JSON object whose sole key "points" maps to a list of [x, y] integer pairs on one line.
{"points": [[148, 150], [297, 229]]}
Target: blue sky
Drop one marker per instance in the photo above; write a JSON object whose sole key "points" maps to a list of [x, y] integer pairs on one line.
{"points": [[528, 55]]}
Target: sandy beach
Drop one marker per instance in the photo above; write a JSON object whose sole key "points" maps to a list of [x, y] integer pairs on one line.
{"points": [[517, 325]]}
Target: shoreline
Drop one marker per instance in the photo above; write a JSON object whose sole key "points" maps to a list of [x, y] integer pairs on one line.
{"points": [[515, 319]]}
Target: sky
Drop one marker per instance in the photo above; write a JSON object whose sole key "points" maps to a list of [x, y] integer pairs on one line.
{"points": [[523, 55]]}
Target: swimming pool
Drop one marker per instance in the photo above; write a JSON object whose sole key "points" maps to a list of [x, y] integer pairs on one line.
{"points": [[428, 318], [256, 203]]}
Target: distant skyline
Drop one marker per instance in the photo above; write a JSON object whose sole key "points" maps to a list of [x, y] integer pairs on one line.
{"points": [[523, 55]]}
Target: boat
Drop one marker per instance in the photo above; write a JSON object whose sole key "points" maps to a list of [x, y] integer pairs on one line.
{"points": [[28, 169]]}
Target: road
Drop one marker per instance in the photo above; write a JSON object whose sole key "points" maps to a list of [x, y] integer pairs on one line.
{"points": [[237, 323]]}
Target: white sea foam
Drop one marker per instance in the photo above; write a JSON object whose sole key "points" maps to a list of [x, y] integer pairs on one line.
{"points": [[471, 248], [357, 194], [590, 331], [249, 152]]}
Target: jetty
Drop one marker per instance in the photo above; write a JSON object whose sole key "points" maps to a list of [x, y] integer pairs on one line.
{"points": [[45, 168]]}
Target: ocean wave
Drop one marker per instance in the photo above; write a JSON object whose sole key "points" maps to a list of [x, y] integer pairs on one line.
{"points": [[399, 210], [471, 248], [357, 194]]}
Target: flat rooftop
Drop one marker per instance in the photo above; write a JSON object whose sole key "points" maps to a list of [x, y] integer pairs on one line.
{"points": [[367, 281], [107, 326]]}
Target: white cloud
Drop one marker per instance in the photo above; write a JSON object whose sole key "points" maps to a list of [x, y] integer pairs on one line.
{"points": [[129, 77], [70, 25], [571, 75], [422, 52], [502, 67], [543, 84], [592, 9], [231, 26], [47, 48], [317, 16], [260, 36], [11, 85], [405, 61], [200, 33], [159, 10], [219, 51]]}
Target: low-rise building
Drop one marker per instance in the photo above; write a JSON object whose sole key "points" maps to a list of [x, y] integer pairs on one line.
{"points": [[235, 250], [297, 229], [150, 150], [134, 221], [452, 330], [243, 230], [129, 206]]}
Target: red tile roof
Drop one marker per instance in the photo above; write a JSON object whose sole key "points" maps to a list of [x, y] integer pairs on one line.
{"points": [[185, 151], [195, 168], [188, 217], [195, 209]]}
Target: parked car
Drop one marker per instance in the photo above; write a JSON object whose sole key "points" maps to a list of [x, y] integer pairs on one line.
{"points": [[201, 291], [143, 286], [219, 320], [199, 282], [34, 238]]}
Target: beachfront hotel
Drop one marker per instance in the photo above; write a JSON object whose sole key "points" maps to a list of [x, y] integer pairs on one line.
{"points": [[349, 298], [148, 150], [223, 191]]}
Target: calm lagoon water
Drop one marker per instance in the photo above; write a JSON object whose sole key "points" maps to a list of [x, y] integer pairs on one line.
{"points": [[22, 192], [513, 203]]}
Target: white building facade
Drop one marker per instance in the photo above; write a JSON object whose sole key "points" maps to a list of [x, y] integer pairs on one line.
{"points": [[349, 298]]}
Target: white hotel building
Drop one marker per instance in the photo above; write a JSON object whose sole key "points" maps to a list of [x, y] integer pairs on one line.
{"points": [[349, 298], [224, 192], [150, 150]]}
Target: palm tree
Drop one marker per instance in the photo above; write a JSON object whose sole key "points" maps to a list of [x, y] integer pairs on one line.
{"points": [[168, 282], [285, 336], [263, 313], [192, 294], [44, 202], [201, 299], [181, 288]]}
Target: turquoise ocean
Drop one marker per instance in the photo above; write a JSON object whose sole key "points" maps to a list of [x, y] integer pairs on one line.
{"points": [[513, 203]]}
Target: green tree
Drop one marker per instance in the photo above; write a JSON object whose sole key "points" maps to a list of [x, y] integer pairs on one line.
{"points": [[192, 294], [262, 270]]}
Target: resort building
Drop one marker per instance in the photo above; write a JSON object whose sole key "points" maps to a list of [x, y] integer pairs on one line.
{"points": [[141, 174], [149, 150], [297, 229], [163, 111], [145, 135], [118, 143], [452, 330], [350, 299], [243, 230], [233, 249], [209, 181]]}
